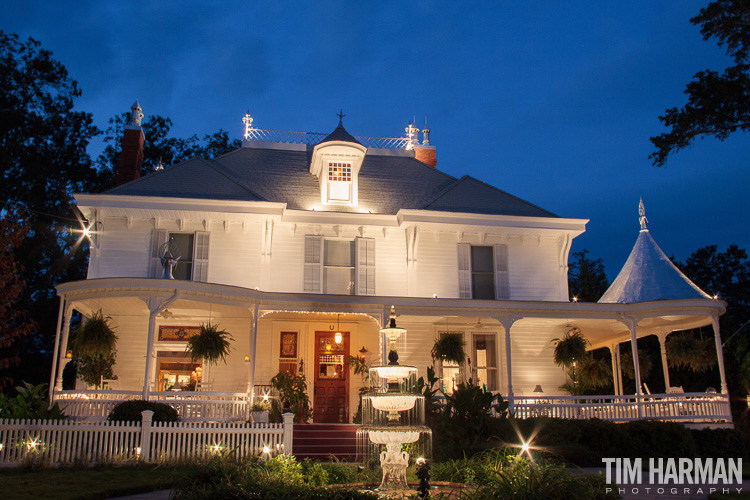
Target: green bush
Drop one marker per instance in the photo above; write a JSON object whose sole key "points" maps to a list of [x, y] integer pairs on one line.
{"points": [[30, 401], [130, 411]]}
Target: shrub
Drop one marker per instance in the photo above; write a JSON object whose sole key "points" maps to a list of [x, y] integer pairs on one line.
{"points": [[130, 411], [30, 402]]}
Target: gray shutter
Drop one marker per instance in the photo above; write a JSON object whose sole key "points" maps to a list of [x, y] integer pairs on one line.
{"points": [[313, 273], [464, 270], [200, 256], [158, 238], [365, 266], [502, 288]]}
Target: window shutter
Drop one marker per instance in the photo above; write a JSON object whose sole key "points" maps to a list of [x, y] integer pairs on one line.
{"points": [[464, 270], [502, 288], [158, 238], [200, 256], [313, 263], [365, 266]]}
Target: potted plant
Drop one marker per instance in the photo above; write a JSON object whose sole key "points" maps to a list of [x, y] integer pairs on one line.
{"points": [[293, 391], [211, 344], [260, 411], [94, 338]]}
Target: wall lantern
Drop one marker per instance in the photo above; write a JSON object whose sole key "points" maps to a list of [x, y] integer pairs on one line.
{"points": [[247, 359], [363, 354], [69, 354]]}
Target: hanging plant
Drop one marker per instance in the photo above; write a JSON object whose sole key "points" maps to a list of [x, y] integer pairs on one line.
{"points": [[570, 348], [685, 350], [210, 344], [594, 372], [450, 347], [645, 363], [94, 338]]}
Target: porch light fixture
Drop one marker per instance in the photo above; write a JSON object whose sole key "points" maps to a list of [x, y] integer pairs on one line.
{"points": [[69, 354], [247, 359], [338, 337], [363, 354]]}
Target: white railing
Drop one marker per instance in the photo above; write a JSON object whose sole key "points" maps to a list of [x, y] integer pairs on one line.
{"points": [[191, 406], [688, 407], [66, 442], [312, 138]]}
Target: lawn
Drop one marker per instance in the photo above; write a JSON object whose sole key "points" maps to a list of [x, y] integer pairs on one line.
{"points": [[83, 483]]}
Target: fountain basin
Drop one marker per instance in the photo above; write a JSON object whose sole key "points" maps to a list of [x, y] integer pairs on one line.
{"points": [[394, 372], [394, 436], [393, 402]]}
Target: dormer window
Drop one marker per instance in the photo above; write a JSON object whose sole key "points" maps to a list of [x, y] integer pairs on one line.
{"points": [[339, 181]]}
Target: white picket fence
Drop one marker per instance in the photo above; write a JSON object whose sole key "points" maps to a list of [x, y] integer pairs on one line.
{"points": [[67, 442]]}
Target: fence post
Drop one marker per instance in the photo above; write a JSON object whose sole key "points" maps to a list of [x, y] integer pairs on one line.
{"points": [[288, 430], [146, 417]]}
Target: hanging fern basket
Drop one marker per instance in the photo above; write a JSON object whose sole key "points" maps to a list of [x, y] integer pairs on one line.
{"points": [[211, 344], [94, 338], [450, 347], [570, 348]]}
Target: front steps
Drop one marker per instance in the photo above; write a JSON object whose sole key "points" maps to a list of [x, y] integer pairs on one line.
{"points": [[325, 442]]}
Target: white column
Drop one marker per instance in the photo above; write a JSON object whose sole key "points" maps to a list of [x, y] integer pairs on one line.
{"points": [[619, 369], [252, 354], [719, 354], [155, 308], [62, 360], [664, 366], [615, 368], [631, 323], [56, 352], [507, 323]]}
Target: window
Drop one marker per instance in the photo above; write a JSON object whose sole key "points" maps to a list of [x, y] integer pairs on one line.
{"points": [[342, 267], [193, 263], [339, 181], [483, 272], [484, 356]]}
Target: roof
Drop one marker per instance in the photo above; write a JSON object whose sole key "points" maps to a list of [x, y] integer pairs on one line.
{"points": [[649, 275], [340, 134], [387, 183]]}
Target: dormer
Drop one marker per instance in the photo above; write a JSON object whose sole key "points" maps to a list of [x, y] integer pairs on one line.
{"points": [[336, 161]]}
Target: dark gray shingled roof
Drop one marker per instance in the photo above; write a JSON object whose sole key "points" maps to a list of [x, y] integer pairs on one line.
{"points": [[648, 275], [340, 134], [386, 184]]}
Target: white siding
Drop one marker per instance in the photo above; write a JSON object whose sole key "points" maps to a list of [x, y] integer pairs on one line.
{"points": [[531, 358]]}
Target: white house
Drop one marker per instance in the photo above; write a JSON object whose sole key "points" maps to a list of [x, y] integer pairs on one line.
{"points": [[296, 236]]}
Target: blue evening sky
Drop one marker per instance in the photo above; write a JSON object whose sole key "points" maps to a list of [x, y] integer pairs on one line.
{"points": [[553, 102]]}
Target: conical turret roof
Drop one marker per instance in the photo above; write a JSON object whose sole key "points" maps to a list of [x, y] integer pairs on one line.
{"points": [[649, 275], [340, 134]]}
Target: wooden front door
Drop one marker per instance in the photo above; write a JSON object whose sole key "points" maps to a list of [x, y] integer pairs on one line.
{"points": [[331, 400]]}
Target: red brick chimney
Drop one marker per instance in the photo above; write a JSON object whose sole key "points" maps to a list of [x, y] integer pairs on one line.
{"points": [[131, 157], [424, 152]]}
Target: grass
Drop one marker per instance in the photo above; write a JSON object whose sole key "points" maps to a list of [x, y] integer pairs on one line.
{"points": [[84, 483]]}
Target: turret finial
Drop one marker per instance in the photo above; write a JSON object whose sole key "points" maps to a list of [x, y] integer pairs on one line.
{"points": [[642, 215], [341, 116]]}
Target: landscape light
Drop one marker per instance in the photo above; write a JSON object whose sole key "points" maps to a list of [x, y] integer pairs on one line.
{"points": [[266, 450], [525, 447]]}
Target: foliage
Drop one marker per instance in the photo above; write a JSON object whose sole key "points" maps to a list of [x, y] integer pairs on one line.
{"points": [[587, 279], [717, 102], [450, 347], [94, 338], [130, 411], [92, 369], [570, 348], [30, 402], [43, 160], [210, 344], [280, 477], [293, 389], [260, 406], [429, 391], [690, 351], [361, 368], [594, 372], [14, 324], [645, 364]]}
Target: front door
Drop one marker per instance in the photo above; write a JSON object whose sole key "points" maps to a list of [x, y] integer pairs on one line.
{"points": [[331, 400]]}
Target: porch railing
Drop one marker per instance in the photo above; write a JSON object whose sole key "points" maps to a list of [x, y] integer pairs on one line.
{"points": [[70, 441], [191, 406], [688, 407]]}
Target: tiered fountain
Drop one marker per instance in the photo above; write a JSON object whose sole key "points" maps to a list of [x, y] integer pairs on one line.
{"points": [[393, 415]]}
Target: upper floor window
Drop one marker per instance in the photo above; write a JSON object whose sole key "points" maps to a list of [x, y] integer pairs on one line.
{"points": [[483, 272], [193, 263], [339, 181], [337, 266]]}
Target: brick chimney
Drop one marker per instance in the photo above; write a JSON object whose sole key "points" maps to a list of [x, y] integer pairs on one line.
{"points": [[424, 152], [131, 157]]}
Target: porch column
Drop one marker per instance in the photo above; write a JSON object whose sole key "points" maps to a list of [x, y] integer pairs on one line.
{"points": [[614, 353], [719, 354], [619, 369], [631, 323], [56, 352], [62, 359], [664, 366], [155, 308], [507, 323], [251, 365]]}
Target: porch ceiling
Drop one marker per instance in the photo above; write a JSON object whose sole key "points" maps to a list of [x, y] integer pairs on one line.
{"points": [[184, 310]]}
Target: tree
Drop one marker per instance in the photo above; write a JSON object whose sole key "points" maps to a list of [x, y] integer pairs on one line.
{"points": [[718, 103], [587, 279], [14, 324], [43, 160]]}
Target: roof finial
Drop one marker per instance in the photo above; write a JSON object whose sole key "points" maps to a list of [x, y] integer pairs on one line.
{"points": [[136, 114], [412, 134], [341, 116], [642, 215], [425, 133], [248, 121]]}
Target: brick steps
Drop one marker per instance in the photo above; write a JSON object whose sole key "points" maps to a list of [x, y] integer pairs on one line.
{"points": [[325, 442]]}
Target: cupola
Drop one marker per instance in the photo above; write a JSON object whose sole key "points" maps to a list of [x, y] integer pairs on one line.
{"points": [[336, 161]]}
